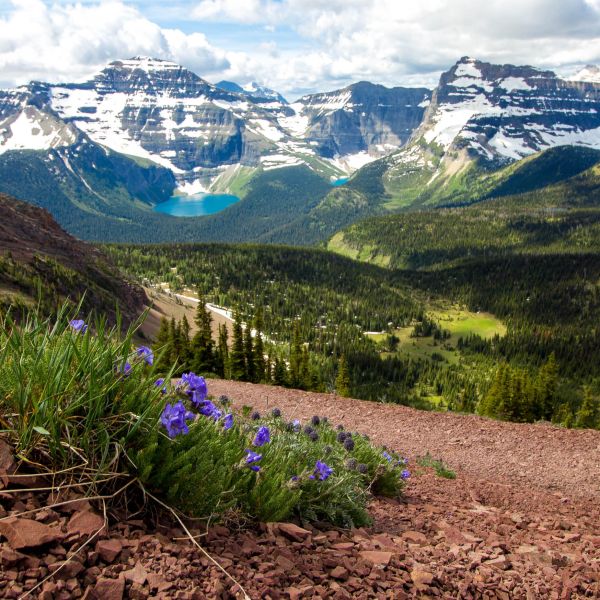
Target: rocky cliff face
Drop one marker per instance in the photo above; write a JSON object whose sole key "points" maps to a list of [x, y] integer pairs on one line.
{"points": [[503, 112], [362, 118]]}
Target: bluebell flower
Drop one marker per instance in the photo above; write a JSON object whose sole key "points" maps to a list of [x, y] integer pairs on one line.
{"points": [[387, 456], [160, 382], [146, 353], [255, 416], [308, 430], [341, 437], [315, 420], [362, 468], [296, 425], [322, 471], [174, 419], [263, 436], [251, 459], [314, 436], [276, 412], [207, 408], [405, 474], [125, 369], [349, 444], [228, 421], [216, 414], [78, 325]]}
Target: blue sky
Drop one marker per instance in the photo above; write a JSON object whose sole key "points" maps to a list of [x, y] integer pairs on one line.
{"points": [[295, 46]]}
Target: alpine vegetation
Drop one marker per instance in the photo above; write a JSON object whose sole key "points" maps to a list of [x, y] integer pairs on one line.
{"points": [[82, 403]]}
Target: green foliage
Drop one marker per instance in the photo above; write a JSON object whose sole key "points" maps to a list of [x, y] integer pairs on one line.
{"points": [[342, 380], [438, 465], [69, 402], [64, 394]]}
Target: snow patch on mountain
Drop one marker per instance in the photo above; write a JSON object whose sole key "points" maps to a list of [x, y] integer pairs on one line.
{"points": [[589, 74], [31, 129]]}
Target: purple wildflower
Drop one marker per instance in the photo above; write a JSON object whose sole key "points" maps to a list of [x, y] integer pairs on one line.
{"points": [[276, 412], [405, 474], [387, 456], [146, 353], [314, 436], [296, 425], [78, 325], [322, 471], [125, 369], [349, 444], [174, 419], [207, 408], [228, 421], [362, 468], [263, 436], [252, 458], [160, 381], [255, 416], [341, 437], [315, 420]]}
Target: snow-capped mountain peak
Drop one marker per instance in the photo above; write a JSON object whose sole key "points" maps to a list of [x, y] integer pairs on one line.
{"points": [[589, 74]]}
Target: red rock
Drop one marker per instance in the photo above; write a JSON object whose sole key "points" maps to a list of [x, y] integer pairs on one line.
{"points": [[498, 563], [415, 537], [85, 523], [66, 569], [343, 546], [138, 574], [376, 557], [109, 589], [108, 550], [285, 563], [421, 578], [339, 573], [9, 557], [26, 533], [294, 532], [156, 582]]}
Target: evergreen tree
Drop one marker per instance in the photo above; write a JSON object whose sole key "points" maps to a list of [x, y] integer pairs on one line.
{"points": [[203, 353], [280, 373], [296, 357], [161, 346], [237, 359], [587, 415], [342, 381], [259, 349], [249, 358], [222, 354]]}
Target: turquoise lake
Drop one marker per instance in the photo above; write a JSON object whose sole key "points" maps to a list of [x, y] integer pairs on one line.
{"points": [[340, 181], [196, 205]]}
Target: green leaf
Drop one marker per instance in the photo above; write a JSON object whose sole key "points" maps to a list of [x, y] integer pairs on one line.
{"points": [[41, 430]]}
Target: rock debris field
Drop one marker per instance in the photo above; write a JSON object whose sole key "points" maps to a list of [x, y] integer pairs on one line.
{"points": [[521, 520]]}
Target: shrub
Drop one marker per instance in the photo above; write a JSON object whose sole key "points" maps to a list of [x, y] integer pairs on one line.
{"points": [[90, 407]]}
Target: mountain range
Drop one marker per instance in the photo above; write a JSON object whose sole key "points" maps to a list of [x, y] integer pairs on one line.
{"points": [[101, 154]]}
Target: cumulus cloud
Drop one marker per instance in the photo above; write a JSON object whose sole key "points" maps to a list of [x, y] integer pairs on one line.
{"points": [[69, 42], [400, 41], [331, 43]]}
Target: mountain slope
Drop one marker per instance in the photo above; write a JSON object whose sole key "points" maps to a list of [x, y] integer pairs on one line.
{"points": [[549, 216], [37, 256]]}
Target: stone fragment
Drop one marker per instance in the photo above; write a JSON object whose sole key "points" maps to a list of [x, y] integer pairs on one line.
{"points": [[339, 573], [85, 523], [376, 557], [108, 550], [138, 574], [294, 532], [109, 589], [26, 533]]}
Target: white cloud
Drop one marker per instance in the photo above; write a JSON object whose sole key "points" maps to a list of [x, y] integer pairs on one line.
{"points": [[333, 42], [68, 42], [401, 41]]}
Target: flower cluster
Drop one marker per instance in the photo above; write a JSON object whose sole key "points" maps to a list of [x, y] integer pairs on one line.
{"points": [[175, 417], [322, 471]]}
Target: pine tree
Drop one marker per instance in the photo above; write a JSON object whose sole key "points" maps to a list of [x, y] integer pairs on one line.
{"points": [[587, 415], [259, 349], [295, 357], [249, 355], [280, 373], [222, 354], [237, 359], [342, 381], [203, 359], [161, 346]]}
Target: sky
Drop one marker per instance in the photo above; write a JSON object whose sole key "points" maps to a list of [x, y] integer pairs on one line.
{"points": [[295, 46]]}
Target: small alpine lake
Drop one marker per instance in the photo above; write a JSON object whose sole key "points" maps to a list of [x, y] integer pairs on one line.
{"points": [[195, 205], [340, 181]]}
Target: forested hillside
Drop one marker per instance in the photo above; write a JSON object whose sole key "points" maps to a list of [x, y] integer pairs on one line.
{"points": [[391, 331]]}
